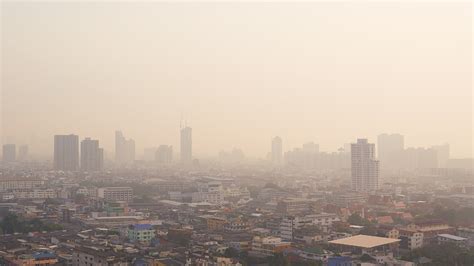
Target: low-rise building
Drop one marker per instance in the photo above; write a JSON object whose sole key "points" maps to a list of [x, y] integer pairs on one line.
{"points": [[452, 239], [140, 232], [115, 193]]}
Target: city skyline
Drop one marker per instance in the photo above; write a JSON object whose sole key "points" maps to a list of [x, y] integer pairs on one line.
{"points": [[240, 73]]}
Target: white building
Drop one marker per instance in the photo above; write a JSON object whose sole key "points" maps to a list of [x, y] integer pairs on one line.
{"points": [[364, 167], [19, 183], [35, 193], [66, 152], [290, 223], [210, 192], [115, 193]]}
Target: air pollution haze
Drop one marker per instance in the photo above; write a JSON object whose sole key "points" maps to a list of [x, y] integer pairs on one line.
{"points": [[238, 73]]}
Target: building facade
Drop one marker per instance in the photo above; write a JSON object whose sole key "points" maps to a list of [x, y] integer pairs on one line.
{"points": [[66, 152], [364, 166], [92, 156]]}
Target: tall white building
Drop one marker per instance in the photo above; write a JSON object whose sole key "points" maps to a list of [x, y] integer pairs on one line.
{"points": [[364, 166], [92, 156], [277, 151], [66, 152], [186, 145], [124, 149]]}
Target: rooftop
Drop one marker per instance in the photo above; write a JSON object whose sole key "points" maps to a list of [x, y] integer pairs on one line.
{"points": [[364, 241], [453, 237]]}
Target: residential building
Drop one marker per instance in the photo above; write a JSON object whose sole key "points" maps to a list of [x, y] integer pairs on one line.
{"points": [[140, 232], [116, 193], [9, 152], [364, 167], [186, 145], [277, 151], [124, 149], [92, 156], [66, 152], [164, 154]]}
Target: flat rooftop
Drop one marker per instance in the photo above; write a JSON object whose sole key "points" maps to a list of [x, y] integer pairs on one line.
{"points": [[364, 241]]}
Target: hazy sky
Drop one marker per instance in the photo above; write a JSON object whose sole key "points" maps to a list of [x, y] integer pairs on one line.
{"points": [[240, 72]]}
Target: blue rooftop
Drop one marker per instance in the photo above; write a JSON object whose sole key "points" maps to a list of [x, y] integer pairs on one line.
{"points": [[43, 255], [142, 226]]}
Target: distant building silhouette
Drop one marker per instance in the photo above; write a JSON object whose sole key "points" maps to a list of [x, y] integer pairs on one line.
{"points": [[124, 149], [23, 153], [92, 156], [277, 151], [149, 153], [389, 146], [66, 152], [364, 166], [9, 152], [186, 145], [443, 154], [164, 154]]}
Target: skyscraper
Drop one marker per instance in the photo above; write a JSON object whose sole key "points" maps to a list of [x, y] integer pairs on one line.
{"points": [[66, 152], [277, 151], [23, 153], [164, 154], [389, 148], [364, 167], [186, 145], [9, 152], [442, 154], [124, 149], [92, 156]]}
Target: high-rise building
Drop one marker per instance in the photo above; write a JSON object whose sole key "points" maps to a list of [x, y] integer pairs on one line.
{"points": [[124, 149], [277, 151], [364, 166], [149, 154], [23, 153], [186, 145], [9, 152], [92, 156], [389, 147], [164, 154], [66, 152], [442, 154]]}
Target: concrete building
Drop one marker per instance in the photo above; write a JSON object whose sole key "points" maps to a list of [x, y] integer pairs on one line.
{"points": [[124, 149], [140, 232], [19, 183], [23, 153], [277, 151], [186, 145], [92, 156], [9, 153], [96, 256], [210, 192], [388, 146], [410, 239], [66, 152], [452, 239], [292, 206], [35, 193], [364, 167], [443, 154], [115, 193], [164, 154]]}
